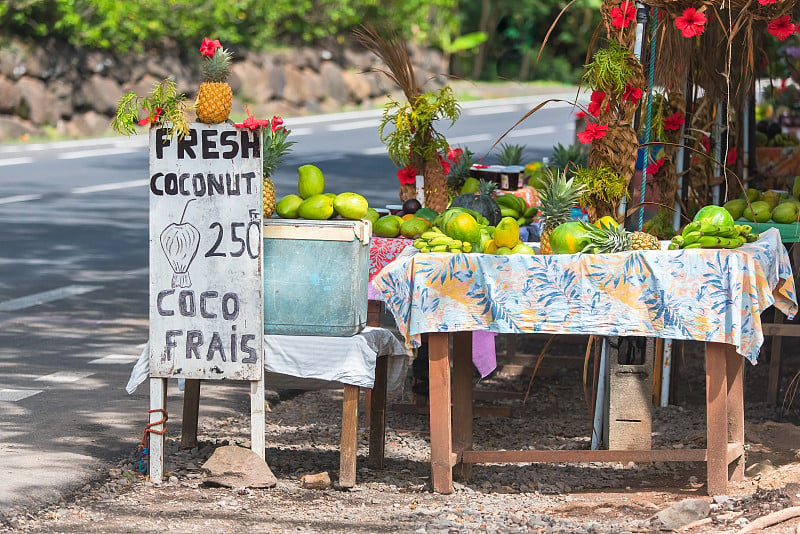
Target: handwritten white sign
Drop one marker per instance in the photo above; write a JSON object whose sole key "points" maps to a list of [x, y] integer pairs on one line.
{"points": [[206, 280]]}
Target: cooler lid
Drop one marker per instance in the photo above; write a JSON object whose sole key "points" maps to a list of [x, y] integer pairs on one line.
{"points": [[331, 230]]}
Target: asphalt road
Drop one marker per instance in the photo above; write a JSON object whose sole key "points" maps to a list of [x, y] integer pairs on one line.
{"points": [[74, 280]]}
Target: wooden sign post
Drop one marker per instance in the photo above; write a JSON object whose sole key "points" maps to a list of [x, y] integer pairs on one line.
{"points": [[206, 276]]}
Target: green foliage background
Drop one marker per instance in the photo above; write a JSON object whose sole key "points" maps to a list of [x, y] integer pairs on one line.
{"points": [[515, 28]]}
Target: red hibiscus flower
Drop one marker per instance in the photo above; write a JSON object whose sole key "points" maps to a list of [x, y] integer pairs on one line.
{"points": [[454, 154], [781, 28], [151, 119], [595, 100], [622, 16], [691, 23], [445, 163], [580, 115], [592, 131], [673, 122], [706, 144], [633, 94], [731, 159], [407, 175], [277, 123], [654, 167], [767, 2], [251, 121], [208, 46]]}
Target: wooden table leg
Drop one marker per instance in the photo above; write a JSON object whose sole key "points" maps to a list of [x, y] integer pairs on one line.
{"points": [[734, 370], [775, 363], [724, 416], [374, 308], [377, 415], [191, 408], [348, 447], [462, 401], [440, 422]]}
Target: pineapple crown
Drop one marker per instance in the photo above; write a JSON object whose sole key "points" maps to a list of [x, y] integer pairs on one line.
{"points": [[217, 66], [606, 238], [557, 195], [486, 187], [510, 154], [459, 170]]}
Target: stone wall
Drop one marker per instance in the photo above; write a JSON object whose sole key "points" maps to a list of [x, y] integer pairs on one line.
{"points": [[56, 88]]}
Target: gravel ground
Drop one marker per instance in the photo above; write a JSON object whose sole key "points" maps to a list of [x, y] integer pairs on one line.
{"points": [[302, 437]]}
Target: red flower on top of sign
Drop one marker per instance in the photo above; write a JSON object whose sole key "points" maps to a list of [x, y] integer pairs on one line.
{"points": [[767, 2], [152, 118], [622, 16], [781, 28], [251, 122], [407, 175], [673, 122], [691, 23], [276, 123], [208, 46], [592, 131]]}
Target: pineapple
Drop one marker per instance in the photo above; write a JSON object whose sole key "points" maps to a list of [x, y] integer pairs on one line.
{"points": [[459, 172], [644, 241], [607, 238], [214, 96], [557, 196], [510, 154], [276, 147]]}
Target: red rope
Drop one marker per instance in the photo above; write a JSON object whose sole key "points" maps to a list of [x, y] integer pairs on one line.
{"points": [[148, 429]]}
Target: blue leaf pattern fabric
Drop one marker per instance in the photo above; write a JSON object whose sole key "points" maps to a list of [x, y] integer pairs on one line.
{"points": [[698, 294]]}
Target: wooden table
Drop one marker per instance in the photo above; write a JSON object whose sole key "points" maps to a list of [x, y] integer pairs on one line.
{"points": [[451, 445], [712, 296]]}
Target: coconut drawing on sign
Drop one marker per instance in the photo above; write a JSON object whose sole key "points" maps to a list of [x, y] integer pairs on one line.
{"points": [[180, 242]]}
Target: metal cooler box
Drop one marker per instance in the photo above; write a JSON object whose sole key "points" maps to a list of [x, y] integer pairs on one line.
{"points": [[315, 277]]}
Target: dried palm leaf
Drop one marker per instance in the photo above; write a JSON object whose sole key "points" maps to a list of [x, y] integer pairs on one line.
{"points": [[394, 53]]}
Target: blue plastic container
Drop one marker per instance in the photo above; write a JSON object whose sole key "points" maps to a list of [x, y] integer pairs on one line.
{"points": [[315, 277]]}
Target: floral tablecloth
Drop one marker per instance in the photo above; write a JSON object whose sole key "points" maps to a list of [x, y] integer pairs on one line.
{"points": [[698, 294], [382, 251]]}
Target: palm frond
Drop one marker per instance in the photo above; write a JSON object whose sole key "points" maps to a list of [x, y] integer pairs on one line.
{"points": [[393, 52]]}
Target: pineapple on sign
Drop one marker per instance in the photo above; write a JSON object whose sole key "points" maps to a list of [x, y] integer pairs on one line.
{"points": [[557, 196], [276, 148], [214, 96]]}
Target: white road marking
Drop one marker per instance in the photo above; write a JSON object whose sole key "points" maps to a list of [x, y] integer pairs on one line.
{"points": [[15, 161], [373, 151], [46, 296], [115, 359], [19, 198], [343, 126], [301, 131], [14, 395], [97, 152], [541, 130], [490, 110], [64, 377], [109, 187], [469, 139]]}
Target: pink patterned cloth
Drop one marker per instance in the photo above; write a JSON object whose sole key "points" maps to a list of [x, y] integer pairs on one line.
{"points": [[382, 250]]}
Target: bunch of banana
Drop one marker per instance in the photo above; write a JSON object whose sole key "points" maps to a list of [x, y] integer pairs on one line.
{"points": [[435, 240], [702, 234], [516, 207]]}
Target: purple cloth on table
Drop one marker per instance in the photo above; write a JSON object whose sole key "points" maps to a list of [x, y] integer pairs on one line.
{"points": [[483, 353]]}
